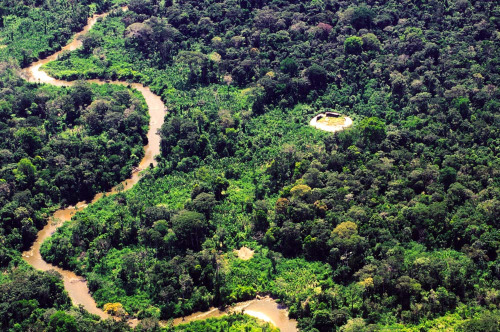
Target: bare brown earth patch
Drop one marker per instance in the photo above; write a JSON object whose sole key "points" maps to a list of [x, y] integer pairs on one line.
{"points": [[245, 253]]}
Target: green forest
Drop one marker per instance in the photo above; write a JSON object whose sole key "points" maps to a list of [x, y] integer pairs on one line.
{"points": [[389, 225], [232, 323], [54, 149]]}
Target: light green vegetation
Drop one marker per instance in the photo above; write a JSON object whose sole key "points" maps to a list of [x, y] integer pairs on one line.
{"points": [[123, 218], [231, 323], [35, 29], [390, 224]]}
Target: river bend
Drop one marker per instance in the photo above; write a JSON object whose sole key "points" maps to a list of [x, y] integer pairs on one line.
{"points": [[76, 286]]}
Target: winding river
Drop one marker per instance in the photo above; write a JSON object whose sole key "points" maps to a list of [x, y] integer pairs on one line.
{"points": [[76, 286]]}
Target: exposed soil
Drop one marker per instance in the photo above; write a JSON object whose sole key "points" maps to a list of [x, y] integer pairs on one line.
{"points": [[245, 253]]}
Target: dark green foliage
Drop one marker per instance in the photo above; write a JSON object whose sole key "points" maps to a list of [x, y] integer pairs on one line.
{"points": [[59, 146], [289, 66], [372, 129], [62, 322], [394, 222], [317, 76], [35, 29], [22, 292], [204, 203], [362, 17], [234, 322], [190, 228]]}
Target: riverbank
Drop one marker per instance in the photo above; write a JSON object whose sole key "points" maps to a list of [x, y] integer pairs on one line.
{"points": [[263, 308], [75, 285], [266, 308]]}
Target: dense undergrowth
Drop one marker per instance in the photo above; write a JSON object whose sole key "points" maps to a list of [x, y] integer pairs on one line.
{"points": [[30, 30], [59, 146], [54, 152], [392, 224], [233, 323]]}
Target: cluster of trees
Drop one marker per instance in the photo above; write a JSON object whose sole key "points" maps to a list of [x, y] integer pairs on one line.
{"points": [[393, 222], [233, 322], [19, 299], [36, 301], [196, 134], [32, 29], [59, 146], [163, 270]]}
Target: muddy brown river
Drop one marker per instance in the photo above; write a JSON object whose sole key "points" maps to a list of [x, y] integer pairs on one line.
{"points": [[76, 286]]}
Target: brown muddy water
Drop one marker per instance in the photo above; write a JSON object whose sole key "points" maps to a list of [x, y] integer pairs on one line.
{"points": [[76, 286]]}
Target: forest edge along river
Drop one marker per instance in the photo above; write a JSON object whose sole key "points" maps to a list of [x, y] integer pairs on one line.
{"points": [[75, 285], [263, 308]]}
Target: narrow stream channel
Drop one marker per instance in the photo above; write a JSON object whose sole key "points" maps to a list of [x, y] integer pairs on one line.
{"points": [[76, 286]]}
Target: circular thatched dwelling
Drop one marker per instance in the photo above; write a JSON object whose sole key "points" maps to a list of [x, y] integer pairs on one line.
{"points": [[331, 121]]}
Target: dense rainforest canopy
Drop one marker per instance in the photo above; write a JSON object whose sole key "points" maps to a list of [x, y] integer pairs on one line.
{"points": [[393, 223]]}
